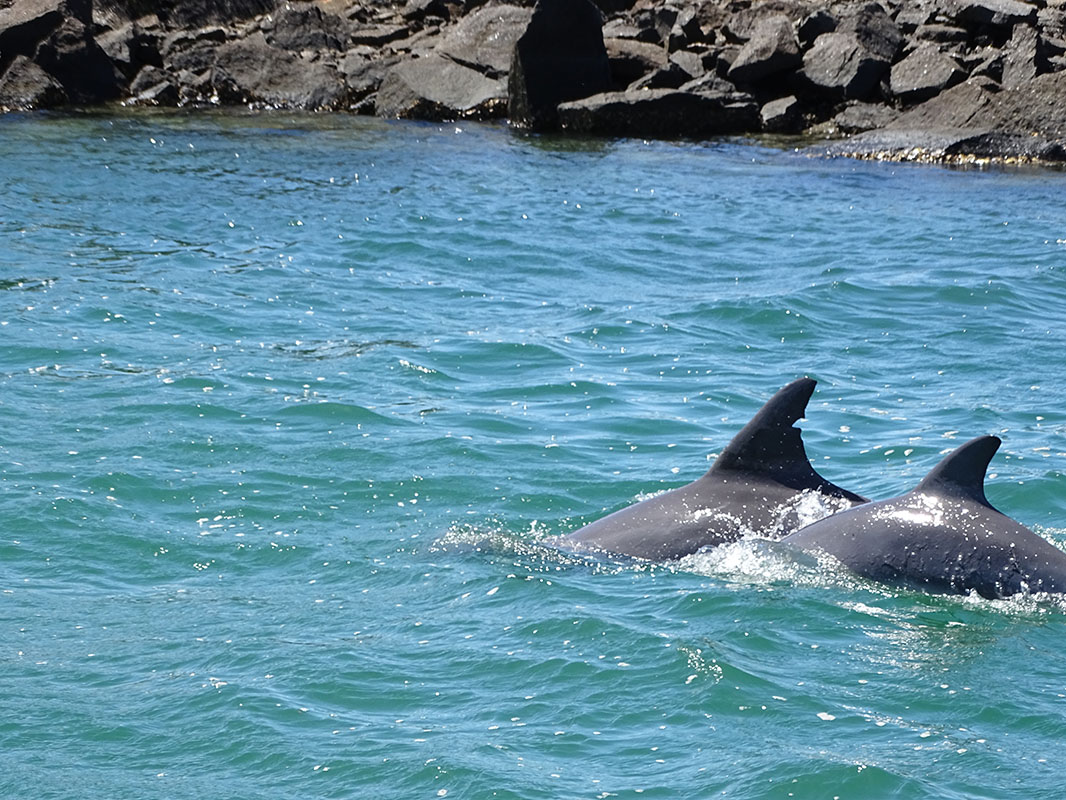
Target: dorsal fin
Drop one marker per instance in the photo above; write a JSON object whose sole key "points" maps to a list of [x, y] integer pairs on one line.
{"points": [[769, 445], [961, 473]]}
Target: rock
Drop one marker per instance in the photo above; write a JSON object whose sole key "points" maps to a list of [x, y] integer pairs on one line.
{"points": [[72, 56], [814, 25], [857, 117], [672, 76], [1020, 57], [781, 115], [976, 119], [911, 17], [876, 31], [560, 57], [686, 30], [364, 75], [376, 34], [662, 113], [25, 86], [304, 26], [994, 13], [251, 71], [199, 13], [130, 48], [485, 40], [840, 66], [630, 59], [923, 74], [656, 22], [152, 87], [985, 63], [419, 10], [709, 83], [771, 50], [690, 63], [437, 88], [57, 36]]}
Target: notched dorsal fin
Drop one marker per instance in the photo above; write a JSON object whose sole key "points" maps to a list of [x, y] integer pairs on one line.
{"points": [[961, 473], [770, 445]]}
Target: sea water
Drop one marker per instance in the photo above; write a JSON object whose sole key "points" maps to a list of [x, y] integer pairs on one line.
{"points": [[290, 405]]}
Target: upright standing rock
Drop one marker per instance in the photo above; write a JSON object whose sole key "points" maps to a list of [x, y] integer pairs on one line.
{"points": [[560, 57]]}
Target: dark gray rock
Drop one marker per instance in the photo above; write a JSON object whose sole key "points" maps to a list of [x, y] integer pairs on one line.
{"points": [[814, 25], [130, 47], [771, 50], [419, 10], [986, 62], [656, 22], [710, 83], [686, 30], [485, 40], [911, 17], [781, 115], [198, 13], [560, 57], [378, 34], [25, 86], [631, 59], [923, 74], [72, 56], [304, 26], [57, 36], [976, 119], [857, 117], [839, 66], [251, 71], [672, 76], [153, 87], [940, 34], [689, 62], [437, 88], [1021, 57], [363, 74], [994, 13], [660, 113], [876, 31]]}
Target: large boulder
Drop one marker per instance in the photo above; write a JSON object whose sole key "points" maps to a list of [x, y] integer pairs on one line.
{"points": [[771, 50], [876, 31], [438, 88], [251, 71], [841, 67], [25, 86], [660, 113], [304, 26], [485, 39], [560, 57], [57, 36], [923, 74], [992, 13]]}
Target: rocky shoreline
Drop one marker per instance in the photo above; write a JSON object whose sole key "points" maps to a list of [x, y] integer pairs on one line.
{"points": [[945, 80]]}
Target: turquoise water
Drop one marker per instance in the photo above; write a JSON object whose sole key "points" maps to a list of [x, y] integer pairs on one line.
{"points": [[289, 405]]}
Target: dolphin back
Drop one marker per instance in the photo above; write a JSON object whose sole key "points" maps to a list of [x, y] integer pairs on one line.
{"points": [[771, 447]]}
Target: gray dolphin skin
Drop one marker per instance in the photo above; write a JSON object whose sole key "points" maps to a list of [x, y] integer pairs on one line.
{"points": [[754, 487], [944, 536]]}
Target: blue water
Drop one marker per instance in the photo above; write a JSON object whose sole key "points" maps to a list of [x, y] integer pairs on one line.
{"points": [[289, 406]]}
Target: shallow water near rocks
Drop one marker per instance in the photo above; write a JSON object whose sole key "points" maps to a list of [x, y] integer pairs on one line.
{"points": [[290, 406]]}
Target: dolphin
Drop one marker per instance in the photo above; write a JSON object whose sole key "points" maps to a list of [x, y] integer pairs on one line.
{"points": [[944, 536], [757, 485]]}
